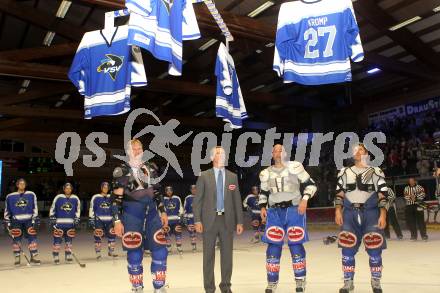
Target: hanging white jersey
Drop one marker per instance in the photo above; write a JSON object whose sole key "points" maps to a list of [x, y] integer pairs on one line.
{"points": [[160, 26], [315, 41], [104, 69], [229, 102]]}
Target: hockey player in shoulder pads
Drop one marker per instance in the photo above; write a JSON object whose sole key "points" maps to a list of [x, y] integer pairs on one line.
{"points": [[64, 218], [100, 220], [139, 217], [361, 201], [283, 207], [21, 218]]}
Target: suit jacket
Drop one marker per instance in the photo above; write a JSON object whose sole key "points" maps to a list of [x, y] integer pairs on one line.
{"points": [[205, 202]]}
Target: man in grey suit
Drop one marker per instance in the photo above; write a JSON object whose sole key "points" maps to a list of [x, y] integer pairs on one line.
{"points": [[218, 213]]}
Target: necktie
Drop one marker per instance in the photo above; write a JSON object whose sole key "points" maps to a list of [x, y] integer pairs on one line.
{"points": [[220, 200]]}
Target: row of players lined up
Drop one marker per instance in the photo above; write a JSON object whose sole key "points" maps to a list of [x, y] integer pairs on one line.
{"points": [[21, 219], [140, 219]]}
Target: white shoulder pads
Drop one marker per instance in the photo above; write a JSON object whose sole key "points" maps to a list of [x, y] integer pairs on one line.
{"points": [[264, 175], [295, 167]]}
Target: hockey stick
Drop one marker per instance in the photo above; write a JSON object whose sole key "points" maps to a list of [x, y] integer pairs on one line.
{"points": [[82, 265], [28, 263]]}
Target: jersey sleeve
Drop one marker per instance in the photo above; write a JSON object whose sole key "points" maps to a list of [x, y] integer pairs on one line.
{"points": [[78, 209], [92, 208], [7, 212], [52, 207], [35, 208], [286, 32], [190, 27], [352, 36], [142, 7], [138, 76], [222, 70], [80, 66]]}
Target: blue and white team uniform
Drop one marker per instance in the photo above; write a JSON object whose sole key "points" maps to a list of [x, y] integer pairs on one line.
{"points": [[104, 69], [280, 193], [361, 210], [137, 209], [101, 219], [64, 217], [160, 26], [315, 42], [251, 204], [189, 219], [21, 218], [229, 103], [174, 209]]}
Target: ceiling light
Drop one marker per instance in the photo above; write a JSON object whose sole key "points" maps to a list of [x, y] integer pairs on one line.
{"points": [[436, 9], [269, 45], [260, 9], [258, 51], [199, 114], [205, 81], [258, 87], [405, 23], [48, 38], [373, 70], [163, 75], [207, 44], [62, 10], [167, 102]]}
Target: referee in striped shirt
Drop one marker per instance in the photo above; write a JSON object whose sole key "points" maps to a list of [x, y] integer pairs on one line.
{"points": [[414, 195]]}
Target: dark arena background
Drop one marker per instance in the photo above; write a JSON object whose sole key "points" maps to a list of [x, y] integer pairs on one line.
{"points": [[395, 90]]}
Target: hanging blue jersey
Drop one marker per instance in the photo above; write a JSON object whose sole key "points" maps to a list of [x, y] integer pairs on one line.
{"points": [[173, 207], [187, 206], [100, 208], [65, 209], [20, 206], [251, 202], [104, 69], [315, 41], [160, 26], [229, 103]]}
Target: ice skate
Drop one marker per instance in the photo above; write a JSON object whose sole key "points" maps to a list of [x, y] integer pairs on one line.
{"points": [[271, 287], [35, 260], [300, 285], [375, 285], [17, 260], [348, 287]]}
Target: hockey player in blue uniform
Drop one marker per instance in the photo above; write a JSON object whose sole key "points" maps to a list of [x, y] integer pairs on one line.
{"points": [[174, 209], [64, 217], [21, 218], [250, 203], [361, 198], [284, 208], [101, 220], [189, 217], [135, 206]]}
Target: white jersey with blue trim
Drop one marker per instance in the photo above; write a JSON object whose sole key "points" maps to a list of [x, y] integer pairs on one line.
{"points": [[160, 26], [104, 69], [229, 100], [315, 42]]}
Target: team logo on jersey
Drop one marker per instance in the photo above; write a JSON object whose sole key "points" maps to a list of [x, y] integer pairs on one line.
{"points": [[168, 4], [67, 207], [111, 65], [104, 205], [132, 240], [171, 206], [22, 203]]}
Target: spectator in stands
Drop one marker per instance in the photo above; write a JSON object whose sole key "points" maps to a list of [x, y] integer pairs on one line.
{"points": [[414, 195], [423, 167]]}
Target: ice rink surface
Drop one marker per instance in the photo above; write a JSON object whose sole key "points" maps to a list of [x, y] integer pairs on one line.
{"points": [[408, 267]]}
